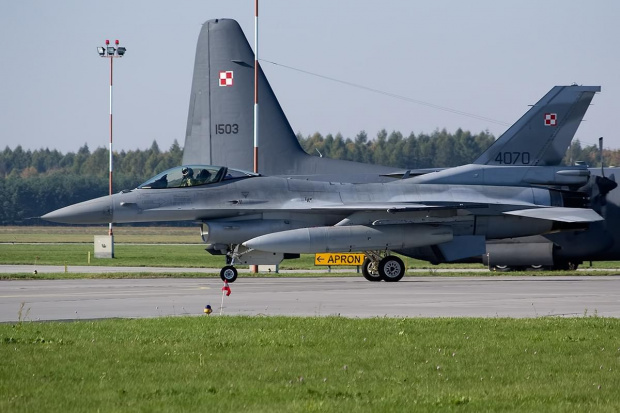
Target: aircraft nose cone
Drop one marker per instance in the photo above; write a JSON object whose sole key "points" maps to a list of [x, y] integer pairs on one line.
{"points": [[95, 211]]}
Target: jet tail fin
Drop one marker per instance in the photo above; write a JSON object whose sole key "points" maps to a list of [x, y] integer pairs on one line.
{"points": [[220, 124], [542, 135]]}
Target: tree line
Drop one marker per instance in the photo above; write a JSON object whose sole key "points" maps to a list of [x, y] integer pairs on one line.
{"points": [[33, 183], [439, 149]]}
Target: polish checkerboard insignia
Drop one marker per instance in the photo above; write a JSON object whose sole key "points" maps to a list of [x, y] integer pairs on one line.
{"points": [[226, 78], [551, 119]]}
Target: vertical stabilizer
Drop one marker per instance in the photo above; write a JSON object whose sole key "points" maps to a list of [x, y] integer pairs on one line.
{"points": [[220, 121], [542, 136]]}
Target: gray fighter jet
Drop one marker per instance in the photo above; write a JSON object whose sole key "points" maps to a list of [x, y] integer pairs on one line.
{"points": [[261, 220], [539, 138]]}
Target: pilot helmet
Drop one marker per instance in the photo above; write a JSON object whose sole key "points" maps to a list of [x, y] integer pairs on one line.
{"points": [[187, 171]]}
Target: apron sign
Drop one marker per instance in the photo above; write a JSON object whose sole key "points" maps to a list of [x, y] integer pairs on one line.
{"points": [[338, 259]]}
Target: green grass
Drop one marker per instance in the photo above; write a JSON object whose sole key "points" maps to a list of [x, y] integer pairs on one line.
{"points": [[85, 234], [311, 364], [144, 247], [145, 255], [193, 256], [126, 255]]}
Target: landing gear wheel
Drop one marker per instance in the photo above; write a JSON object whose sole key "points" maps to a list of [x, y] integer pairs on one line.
{"points": [[228, 273], [370, 271], [391, 269]]}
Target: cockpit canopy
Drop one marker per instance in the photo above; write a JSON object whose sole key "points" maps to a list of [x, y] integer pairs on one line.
{"points": [[193, 175]]}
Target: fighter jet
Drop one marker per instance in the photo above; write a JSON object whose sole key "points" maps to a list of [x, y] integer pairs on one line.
{"points": [[261, 220], [254, 219], [539, 138]]}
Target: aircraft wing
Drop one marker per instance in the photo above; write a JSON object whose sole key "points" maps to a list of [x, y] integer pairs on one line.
{"points": [[560, 214]]}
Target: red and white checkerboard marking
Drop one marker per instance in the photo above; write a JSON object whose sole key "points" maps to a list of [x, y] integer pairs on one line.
{"points": [[551, 119], [226, 78]]}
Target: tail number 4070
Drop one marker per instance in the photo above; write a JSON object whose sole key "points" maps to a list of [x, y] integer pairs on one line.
{"points": [[226, 129], [512, 158]]}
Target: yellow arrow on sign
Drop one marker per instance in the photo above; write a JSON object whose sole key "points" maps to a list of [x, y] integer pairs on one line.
{"points": [[338, 259]]}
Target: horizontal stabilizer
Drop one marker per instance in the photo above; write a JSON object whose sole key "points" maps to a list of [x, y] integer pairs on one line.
{"points": [[560, 214]]}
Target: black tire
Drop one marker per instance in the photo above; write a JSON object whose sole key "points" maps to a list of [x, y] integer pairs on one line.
{"points": [[502, 268], [391, 269], [228, 273], [370, 271]]}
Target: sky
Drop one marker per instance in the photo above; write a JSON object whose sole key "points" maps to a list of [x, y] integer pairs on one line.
{"points": [[488, 58]]}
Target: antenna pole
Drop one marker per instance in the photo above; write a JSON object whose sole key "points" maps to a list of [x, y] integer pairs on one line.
{"points": [[255, 86]]}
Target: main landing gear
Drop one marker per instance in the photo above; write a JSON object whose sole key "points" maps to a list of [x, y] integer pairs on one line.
{"points": [[388, 268]]}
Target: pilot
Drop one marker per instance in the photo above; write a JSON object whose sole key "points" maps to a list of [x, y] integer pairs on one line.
{"points": [[188, 176]]}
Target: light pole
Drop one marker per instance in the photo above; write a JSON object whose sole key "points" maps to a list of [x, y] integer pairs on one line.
{"points": [[111, 52]]}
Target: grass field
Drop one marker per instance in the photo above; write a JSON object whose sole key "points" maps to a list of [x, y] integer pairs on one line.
{"points": [[83, 234], [134, 246], [312, 364], [159, 247], [290, 364]]}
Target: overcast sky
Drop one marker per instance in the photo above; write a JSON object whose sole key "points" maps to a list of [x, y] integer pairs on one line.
{"points": [[485, 57]]}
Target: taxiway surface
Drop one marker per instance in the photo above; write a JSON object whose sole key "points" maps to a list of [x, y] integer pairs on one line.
{"points": [[506, 296]]}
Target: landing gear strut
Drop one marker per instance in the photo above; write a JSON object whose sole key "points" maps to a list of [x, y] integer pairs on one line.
{"points": [[229, 273], [376, 268]]}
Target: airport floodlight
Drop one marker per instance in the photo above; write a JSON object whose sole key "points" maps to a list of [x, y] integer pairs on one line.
{"points": [[111, 52]]}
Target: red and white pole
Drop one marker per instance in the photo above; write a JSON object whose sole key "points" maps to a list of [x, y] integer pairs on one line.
{"points": [[254, 268], [110, 232], [111, 52], [256, 86]]}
